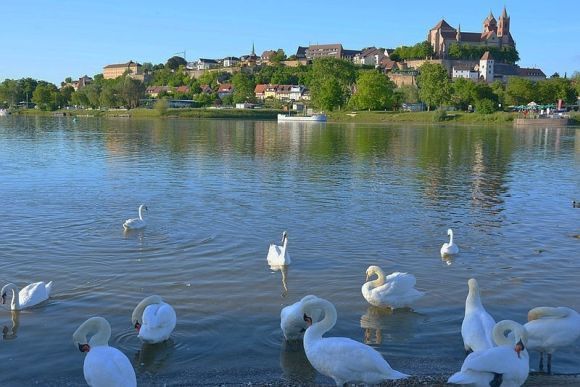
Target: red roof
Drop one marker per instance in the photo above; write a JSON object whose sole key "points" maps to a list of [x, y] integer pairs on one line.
{"points": [[260, 88]]}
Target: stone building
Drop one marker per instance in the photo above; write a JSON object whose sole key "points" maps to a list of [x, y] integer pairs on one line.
{"points": [[494, 34]]}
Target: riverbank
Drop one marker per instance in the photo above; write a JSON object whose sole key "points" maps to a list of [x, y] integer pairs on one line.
{"points": [[363, 117]]}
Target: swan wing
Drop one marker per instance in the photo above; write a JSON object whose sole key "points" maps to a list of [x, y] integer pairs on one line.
{"points": [[158, 322], [546, 312], [107, 366], [399, 282], [33, 294], [347, 360], [500, 360], [548, 333], [476, 330], [277, 256]]}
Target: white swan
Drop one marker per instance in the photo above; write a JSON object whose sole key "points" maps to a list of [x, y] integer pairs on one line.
{"points": [[292, 319], [449, 248], [136, 223], [29, 296], [277, 255], [340, 358], [153, 319], [551, 328], [477, 326], [104, 366], [397, 290], [506, 365]]}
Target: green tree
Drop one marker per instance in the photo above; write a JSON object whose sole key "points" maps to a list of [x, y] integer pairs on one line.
{"points": [[374, 91], [174, 62], [330, 82], [434, 85], [463, 93], [244, 86], [66, 95], [520, 91], [46, 96], [131, 91]]}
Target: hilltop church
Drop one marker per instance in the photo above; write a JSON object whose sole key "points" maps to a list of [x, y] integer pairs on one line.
{"points": [[494, 34]]}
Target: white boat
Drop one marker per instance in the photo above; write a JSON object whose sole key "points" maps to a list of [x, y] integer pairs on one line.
{"points": [[320, 117], [3, 112]]}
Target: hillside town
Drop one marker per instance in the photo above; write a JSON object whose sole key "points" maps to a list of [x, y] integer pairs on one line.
{"points": [[275, 78]]}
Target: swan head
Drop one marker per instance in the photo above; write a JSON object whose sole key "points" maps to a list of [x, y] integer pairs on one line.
{"points": [[307, 319], [136, 317], [97, 328], [508, 332], [473, 285], [143, 207], [449, 232], [4, 291], [284, 236], [372, 270]]}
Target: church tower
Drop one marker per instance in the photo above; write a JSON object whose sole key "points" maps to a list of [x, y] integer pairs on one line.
{"points": [[490, 24], [458, 34], [504, 24]]}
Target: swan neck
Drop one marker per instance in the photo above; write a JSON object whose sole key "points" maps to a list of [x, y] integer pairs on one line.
{"points": [[473, 299], [98, 327], [450, 237], [319, 328], [380, 280], [138, 311], [15, 303], [503, 326], [141, 212]]}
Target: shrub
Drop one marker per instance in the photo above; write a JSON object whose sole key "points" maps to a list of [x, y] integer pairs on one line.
{"points": [[439, 115], [485, 106]]}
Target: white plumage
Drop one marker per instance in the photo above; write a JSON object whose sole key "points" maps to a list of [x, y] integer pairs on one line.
{"points": [[342, 359], [477, 326], [153, 319], [104, 366], [136, 223], [277, 255], [551, 328], [29, 296], [397, 290], [292, 319], [507, 364], [449, 248]]}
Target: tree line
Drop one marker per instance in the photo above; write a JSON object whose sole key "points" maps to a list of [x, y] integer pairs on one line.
{"points": [[333, 84]]}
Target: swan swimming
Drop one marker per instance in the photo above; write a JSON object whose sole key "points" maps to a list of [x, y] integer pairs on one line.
{"points": [[292, 319], [342, 359], [136, 223], [277, 255], [397, 290], [104, 366], [551, 328], [449, 248], [506, 365], [477, 325], [153, 319], [29, 296]]}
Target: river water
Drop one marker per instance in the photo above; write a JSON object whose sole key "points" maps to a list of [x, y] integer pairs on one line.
{"points": [[219, 192]]}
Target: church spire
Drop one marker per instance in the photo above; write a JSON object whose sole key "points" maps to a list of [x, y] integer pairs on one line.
{"points": [[458, 34], [504, 13], [253, 50]]}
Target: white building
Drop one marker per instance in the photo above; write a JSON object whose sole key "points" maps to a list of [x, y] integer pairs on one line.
{"points": [[465, 71]]}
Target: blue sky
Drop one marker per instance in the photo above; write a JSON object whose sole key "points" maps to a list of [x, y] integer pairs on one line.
{"points": [[52, 40]]}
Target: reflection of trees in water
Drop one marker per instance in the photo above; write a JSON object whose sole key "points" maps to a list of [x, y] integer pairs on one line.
{"points": [[295, 364], [152, 357], [11, 332], [393, 325]]}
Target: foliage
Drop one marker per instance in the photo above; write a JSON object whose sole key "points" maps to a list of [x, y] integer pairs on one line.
{"points": [[439, 115], [434, 85], [278, 57], [161, 106], [175, 62], [485, 106], [374, 91], [550, 90], [46, 96], [330, 82], [520, 91], [244, 86], [131, 91], [469, 52], [418, 51]]}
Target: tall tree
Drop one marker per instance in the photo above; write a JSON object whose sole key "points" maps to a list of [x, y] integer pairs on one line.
{"points": [[434, 85], [374, 91], [174, 62], [131, 91], [330, 82], [244, 86]]}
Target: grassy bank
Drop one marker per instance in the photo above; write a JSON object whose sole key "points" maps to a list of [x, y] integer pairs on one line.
{"points": [[426, 117], [270, 114]]}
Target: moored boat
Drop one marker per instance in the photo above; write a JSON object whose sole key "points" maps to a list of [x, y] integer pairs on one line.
{"points": [[320, 117]]}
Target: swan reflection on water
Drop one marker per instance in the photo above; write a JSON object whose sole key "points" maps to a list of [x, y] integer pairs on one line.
{"points": [[393, 324], [153, 357], [10, 333], [295, 365], [284, 270]]}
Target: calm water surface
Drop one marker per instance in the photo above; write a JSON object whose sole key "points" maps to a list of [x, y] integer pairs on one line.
{"points": [[219, 192]]}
